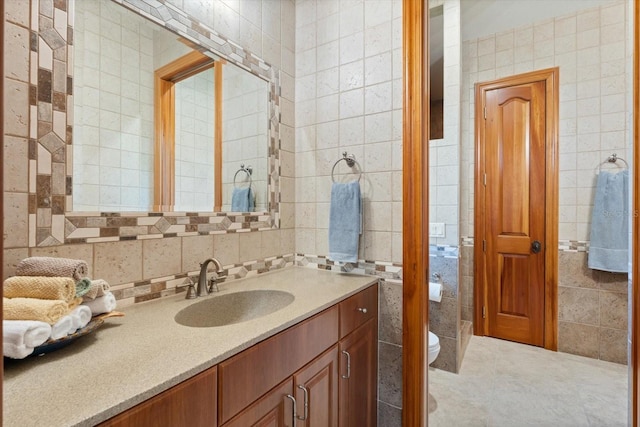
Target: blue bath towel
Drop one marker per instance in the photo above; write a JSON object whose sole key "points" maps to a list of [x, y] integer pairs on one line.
{"points": [[345, 217], [609, 248], [242, 200]]}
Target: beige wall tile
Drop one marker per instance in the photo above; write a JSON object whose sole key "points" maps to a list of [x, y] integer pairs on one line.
{"points": [[390, 312], [15, 44], [613, 345], [287, 241], [16, 220], [578, 339], [271, 243], [613, 310], [574, 272], [195, 250], [118, 262], [390, 373], [11, 258], [79, 251], [161, 257], [250, 246], [16, 12], [16, 164], [16, 112], [579, 305], [226, 248]]}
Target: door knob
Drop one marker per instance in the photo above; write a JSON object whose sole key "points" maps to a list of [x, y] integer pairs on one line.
{"points": [[536, 247]]}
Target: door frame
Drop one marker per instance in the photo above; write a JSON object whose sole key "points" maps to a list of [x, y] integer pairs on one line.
{"points": [[415, 212], [480, 290]]}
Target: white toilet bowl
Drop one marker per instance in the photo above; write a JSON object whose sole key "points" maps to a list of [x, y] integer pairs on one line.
{"points": [[434, 347]]}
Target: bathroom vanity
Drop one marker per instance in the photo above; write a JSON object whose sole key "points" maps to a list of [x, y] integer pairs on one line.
{"points": [[314, 361]]}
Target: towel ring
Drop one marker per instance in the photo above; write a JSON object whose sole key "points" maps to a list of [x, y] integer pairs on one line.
{"points": [[248, 170], [613, 159], [351, 161]]}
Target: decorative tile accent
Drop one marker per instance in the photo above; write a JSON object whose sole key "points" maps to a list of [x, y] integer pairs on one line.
{"points": [[50, 98], [150, 289], [386, 270], [563, 245]]}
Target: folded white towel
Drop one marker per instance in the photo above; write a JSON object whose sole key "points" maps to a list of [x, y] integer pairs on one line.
{"points": [[62, 327], [20, 337], [81, 315], [103, 304]]}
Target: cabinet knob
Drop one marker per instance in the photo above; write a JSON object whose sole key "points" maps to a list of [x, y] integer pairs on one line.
{"points": [[362, 310]]}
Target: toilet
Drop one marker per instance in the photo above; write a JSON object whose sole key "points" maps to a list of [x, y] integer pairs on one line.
{"points": [[435, 294], [434, 347]]}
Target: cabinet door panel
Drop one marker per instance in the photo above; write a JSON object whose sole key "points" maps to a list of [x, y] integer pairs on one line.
{"points": [[320, 379], [273, 409], [358, 392], [191, 403]]}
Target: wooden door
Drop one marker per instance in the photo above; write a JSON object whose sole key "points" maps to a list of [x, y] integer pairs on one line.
{"points": [[274, 409], [516, 207], [358, 374], [514, 210], [317, 385]]}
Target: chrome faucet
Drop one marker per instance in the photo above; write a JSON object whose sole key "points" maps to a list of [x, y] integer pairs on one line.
{"points": [[202, 279]]}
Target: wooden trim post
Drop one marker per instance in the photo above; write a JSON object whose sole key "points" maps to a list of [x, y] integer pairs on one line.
{"points": [[415, 213]]}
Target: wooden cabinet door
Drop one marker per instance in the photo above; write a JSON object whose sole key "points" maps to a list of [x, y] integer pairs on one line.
{"points": [[317, 385], [274, 409], [358, 374], [191, 403]]}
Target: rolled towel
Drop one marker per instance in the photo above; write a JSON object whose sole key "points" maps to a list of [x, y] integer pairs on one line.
{"points": [[97, 289], [52, 267], [81, 316], [20, 337], [53, 288], [62, 327], [74, 303], [44, 310], [82, 286], [103, 304]]}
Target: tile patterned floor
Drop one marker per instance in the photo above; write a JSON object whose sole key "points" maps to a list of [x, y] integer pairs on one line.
{"points": [[513, 385]]}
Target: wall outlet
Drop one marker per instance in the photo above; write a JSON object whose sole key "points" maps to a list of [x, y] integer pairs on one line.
{"points": [[436, 229]]}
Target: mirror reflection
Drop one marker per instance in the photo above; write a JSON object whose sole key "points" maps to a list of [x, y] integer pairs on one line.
{"points": [[126, 157]]}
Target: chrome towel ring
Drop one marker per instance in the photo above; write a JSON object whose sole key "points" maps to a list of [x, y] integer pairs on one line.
{"points": [[613, 159], [248, 170], [351, 161]]}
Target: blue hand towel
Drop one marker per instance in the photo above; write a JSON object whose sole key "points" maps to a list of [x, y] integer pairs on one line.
{"points": [[609, 248], [345, 216], [242, 200]]}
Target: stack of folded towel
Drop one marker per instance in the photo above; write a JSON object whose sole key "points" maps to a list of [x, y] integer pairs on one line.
{"points": [[49, 298]]}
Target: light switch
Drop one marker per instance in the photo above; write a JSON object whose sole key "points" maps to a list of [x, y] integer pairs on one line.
{"points": [[436, 229]]}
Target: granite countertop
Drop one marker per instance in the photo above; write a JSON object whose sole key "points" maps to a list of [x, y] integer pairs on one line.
{"points": [[132, 358]]}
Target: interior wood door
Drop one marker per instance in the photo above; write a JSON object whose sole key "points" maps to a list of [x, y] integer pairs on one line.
{"points": [[515, 206]]}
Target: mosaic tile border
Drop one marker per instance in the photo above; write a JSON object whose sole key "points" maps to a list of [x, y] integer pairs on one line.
{"points": [[563, 245], [151, 289], [385, 270], [51, 134]]}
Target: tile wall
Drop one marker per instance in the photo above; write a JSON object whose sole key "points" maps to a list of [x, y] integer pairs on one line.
{"points": [[138, 268], [245, 100], [590, 47], [349, 99], [194, 116], [113, 109]]}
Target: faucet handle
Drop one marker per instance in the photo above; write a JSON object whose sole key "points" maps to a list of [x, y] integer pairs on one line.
{"points": [[213, 285], [191, 288]]}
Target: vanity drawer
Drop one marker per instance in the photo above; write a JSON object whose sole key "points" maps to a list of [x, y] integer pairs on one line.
{"points": [[357, 309], [246, 376]]}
